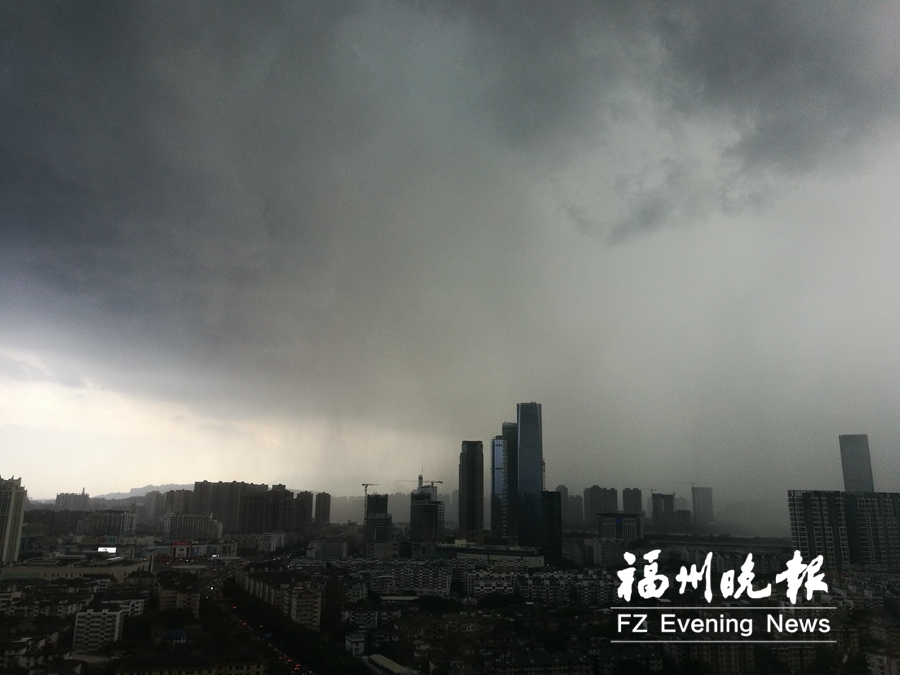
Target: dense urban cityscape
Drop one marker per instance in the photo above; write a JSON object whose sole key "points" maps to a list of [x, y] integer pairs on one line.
{"points": [[449, 337], [235, 577]]}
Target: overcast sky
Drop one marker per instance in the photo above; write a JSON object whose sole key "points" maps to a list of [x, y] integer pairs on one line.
{"points": [[323, 243]]}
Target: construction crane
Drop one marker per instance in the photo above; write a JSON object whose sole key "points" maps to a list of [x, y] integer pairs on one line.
{"points": [[366, 487]]}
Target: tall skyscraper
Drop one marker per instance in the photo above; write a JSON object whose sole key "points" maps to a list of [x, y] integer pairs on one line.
{"points": [[510, 435], [703, 505], [471, 491], [856, 463], [531, 472], [498, 484], [12, 515], [632, 501], [426, 514]]}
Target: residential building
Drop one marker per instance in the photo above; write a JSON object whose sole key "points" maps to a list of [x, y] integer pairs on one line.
{"points": [[12, 515], [551, 526], [576, 511], [97, 628], [592, 505], [626, 527], [108, 523], [609, 500], [73, 501], [177, 590], [223, 501], [632, 500], [378, 526], [703, 506], [663, 511], [819, 526], [323, 509], [190, 527]]}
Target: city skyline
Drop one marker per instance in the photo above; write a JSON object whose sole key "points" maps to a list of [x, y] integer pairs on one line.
{"points": [[317, 246]]}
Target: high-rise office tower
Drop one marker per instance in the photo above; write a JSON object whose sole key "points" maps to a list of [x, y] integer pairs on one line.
{"points": [[510, 435], [323, 509], [856, 463], [632, 501], [12, 515], [426, 514], [703, 505], [471, 491], [498, 497], [531, 472]]}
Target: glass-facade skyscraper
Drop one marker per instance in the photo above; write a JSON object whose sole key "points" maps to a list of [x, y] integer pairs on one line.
{"points": [[471, 491], [510, 434], [531, 473], [856, 463], [498, 450]]}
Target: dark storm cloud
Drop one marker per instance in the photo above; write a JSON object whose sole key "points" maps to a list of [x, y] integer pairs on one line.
{"points": [[333, 209], [802, 80]]}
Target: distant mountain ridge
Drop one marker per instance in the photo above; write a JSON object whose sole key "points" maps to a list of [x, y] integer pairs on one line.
{"points": [[141, 491]]}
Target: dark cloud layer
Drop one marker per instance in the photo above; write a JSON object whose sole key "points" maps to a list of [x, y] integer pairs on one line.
{"points": [[333, 210]]}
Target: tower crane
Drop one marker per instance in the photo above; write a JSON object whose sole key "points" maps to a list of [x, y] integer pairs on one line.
{"points": [[366, 487]]}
